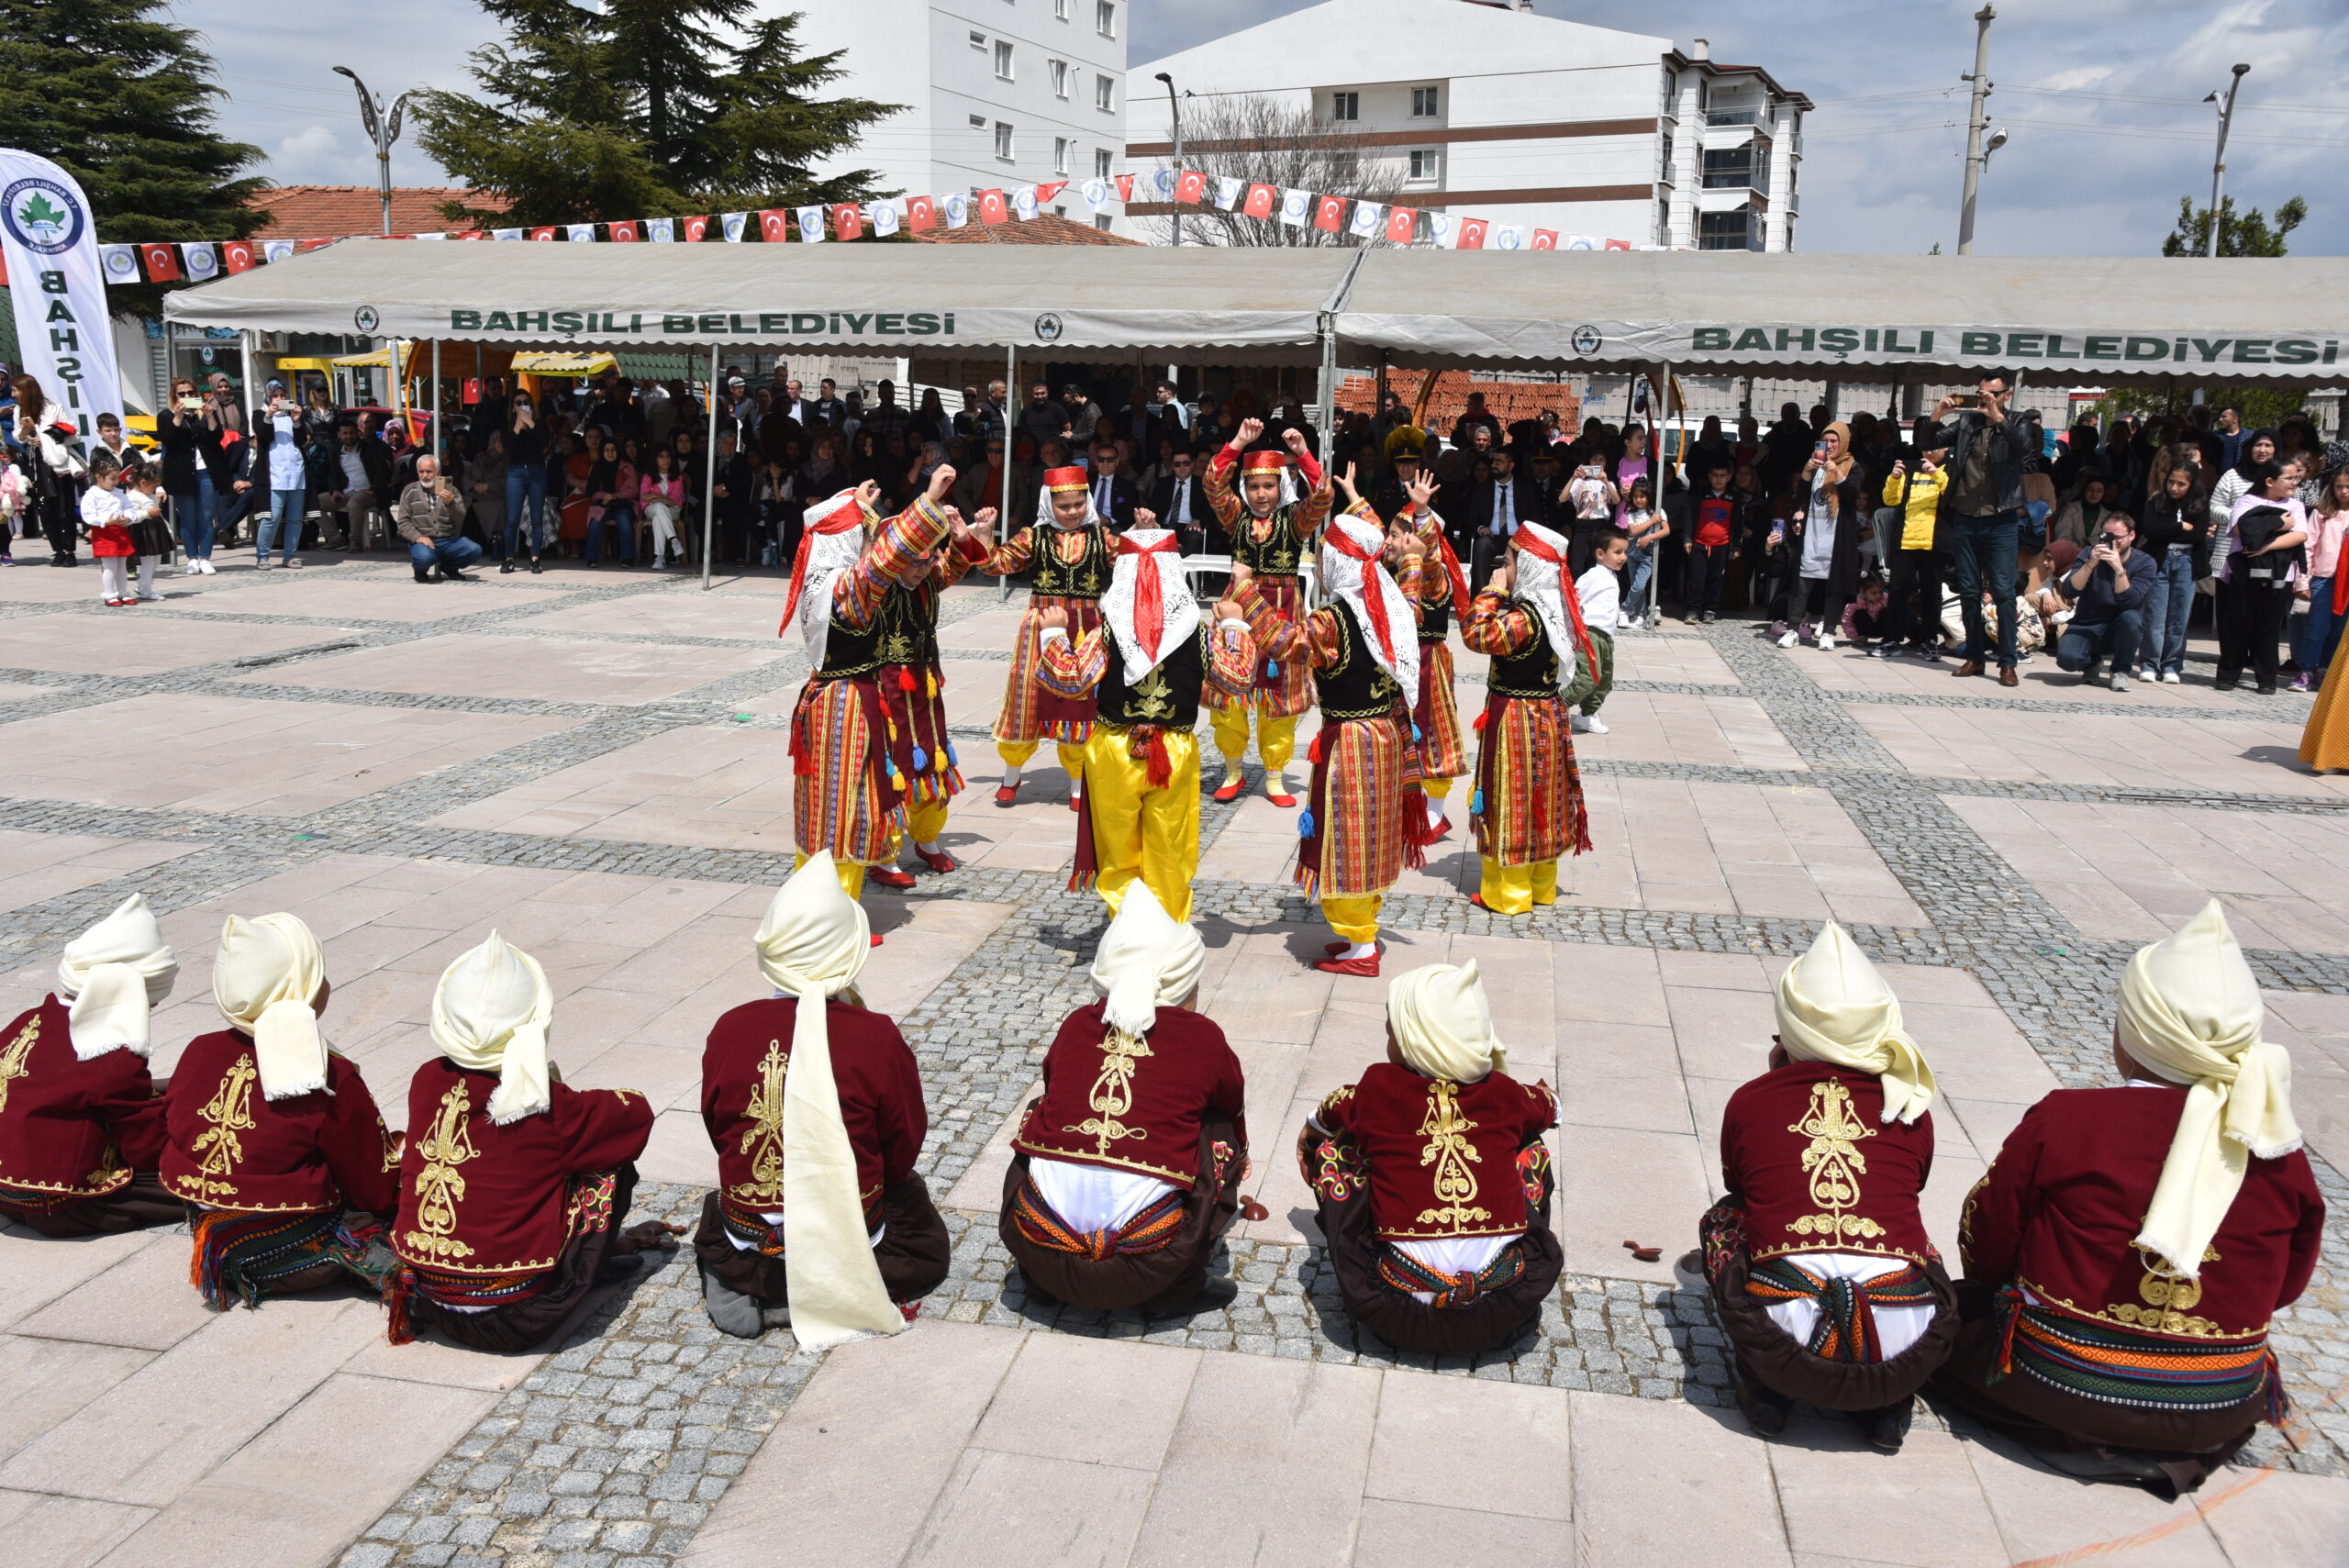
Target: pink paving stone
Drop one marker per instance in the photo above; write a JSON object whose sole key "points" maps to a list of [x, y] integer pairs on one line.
{"points": [[236, 754], [1640, 657], [720, 787], [680, 612], [553, 670], [36, 866], [2127, 750], [140, 642], [1725, 731], [1848, 673], [346, 599]]}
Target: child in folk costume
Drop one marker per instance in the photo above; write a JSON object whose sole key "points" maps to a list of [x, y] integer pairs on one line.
{"points": [[109, 533], [1366, 817], [1269, 537], [913, 691], [1146, 667], [1429, 573], [851, 756], [1527, 808], [1070, 546], [142, 512]]}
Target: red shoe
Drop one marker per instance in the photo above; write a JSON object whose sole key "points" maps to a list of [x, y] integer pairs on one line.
{"points": [[1076, 803], [876, 939], [890, 876], [940, 862], [1365, 967], [1229, 790], [1283, 801], [1007, 795], [1479, 900]]}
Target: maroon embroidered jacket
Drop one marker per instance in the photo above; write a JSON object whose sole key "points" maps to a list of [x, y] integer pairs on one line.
{"points": [[69, 1126], [1440, 1156], [229, 1146], [742, 1072], [479, 1198], [1807, 1148], [2057, 1212], [1135, 1106]]}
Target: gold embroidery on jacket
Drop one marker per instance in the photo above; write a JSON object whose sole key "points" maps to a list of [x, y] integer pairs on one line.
{"points": [[218, 1149], [1154, 699], [1834, 1163], [12, 1061], [763, 1140], [1449, 1151], [2169, 1296], [446, 1145], [1112, 1094]]}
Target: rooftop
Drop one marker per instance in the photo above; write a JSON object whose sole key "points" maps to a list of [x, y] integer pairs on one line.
{"points": [[325, 212], [1044, 228]]}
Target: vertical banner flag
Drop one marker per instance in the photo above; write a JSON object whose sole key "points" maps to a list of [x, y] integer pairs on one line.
{"points": [[163, 263], [276, 251], [48, 248], [811, 225], [1228, 188], [1162, 183], [1507, 236], [201, 259], [1401, 224], [1330, 213], [1023, 203], [1579, 242], [957, 209], [1297, 208], [237, 256], [774, 224], [494, 234], [624, 231], [661, 231], [1191, 188], [993, 208], [732, 224], [120, 263], [1260, 201], [580, 233], [884, 216], [1472, 233], [1096, 196], [848, 221], [696, 227], [1441, 227], [473, 390], [1368, 217], [921, 214]]}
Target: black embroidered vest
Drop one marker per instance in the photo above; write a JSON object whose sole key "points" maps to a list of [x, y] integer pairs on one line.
{"points": [[1168, 697], [1281, 551], [1529, 675], [1085, 579], [908, 627], [1356, 686], [847, 652]]}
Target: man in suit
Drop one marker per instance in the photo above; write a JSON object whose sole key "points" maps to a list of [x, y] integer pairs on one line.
{"points": [[1181, 503], [1113, 493], [736, 492], [1497, 508]]}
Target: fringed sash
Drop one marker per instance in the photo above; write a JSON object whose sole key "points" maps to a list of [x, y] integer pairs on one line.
{"points": [[1400, 1271], [1148, 1231], [1846, 1329], [2113, 1366]]}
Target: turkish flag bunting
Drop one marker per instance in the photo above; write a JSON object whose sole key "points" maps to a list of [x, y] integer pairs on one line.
{"points": [[774, 224], [695, 227], [1046, 192], [1262, 200], [625, 231], [1191, 188], [993, 208], [472, 389], [312, 244], [1125, 187], [163, 267], [1618, 245], [549, 232], [848, 221], [237, 256], [1546, 240], [1330, 213], [921, 214], [1402, 223], [1471, 234]]}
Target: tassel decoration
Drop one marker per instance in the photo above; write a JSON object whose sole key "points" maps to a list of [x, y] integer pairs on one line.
{"points": [[951, 760], [1476, 803], [905, 680], [1305, 823], [933, 682], [921, 760]]}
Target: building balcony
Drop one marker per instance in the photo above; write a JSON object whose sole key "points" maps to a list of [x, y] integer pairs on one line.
{"points": [[1724, 119]]}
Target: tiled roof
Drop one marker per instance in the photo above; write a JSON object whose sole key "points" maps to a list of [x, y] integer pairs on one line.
{"points": [[1507, 401], [1044, 228], [329, 212]]}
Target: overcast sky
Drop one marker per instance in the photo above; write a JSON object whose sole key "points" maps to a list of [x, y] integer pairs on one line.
{"points": [[2110, 135]]}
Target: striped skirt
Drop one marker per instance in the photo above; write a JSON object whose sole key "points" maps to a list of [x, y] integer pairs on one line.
{"points": [[1284, 688], [1029, 712], [849, 791], [1437, 713], [1355, 833], [1528, 804], [244, 1257]]}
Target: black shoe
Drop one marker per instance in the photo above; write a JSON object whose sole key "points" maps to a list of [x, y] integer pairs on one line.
{"points": [[2267, 690], [450, 575], [426, 577], [1885, 1429], [506, 566], [535, 567], [615, 1270], [2222, 685], [1764, 1408]]}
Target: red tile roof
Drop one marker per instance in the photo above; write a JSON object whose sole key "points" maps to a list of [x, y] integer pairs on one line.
{"points": [[1044, 228], [329, 212]]}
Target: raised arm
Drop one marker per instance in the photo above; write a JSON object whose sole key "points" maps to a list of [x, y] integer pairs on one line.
{"points": [[1495, 626], [1069, 669], [896, 547]]}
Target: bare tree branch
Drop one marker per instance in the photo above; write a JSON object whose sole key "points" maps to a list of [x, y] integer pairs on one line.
{"points": [[1263, 140]]}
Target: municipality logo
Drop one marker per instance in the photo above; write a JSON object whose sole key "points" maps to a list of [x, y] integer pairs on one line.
{"points": [[42, 216], [1048, 328]]}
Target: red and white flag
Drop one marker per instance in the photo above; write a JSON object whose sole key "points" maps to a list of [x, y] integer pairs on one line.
{"points": [[162, 265], [626, 231], [1190, 187], [1330, 213], [921, 214], [1125, 186], [1471, 234], [1401, 224], [1546, 240], [774, 224], [237, 256], [1046, 192], [548, 232], [1618, 245], [695, 227], [1261, 201], [848, 221], [993, 207]]}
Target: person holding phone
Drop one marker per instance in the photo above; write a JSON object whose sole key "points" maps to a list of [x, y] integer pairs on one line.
{"points": [[186, 480], [277, 454], [2107, 590], [526, 480], [1824, 539], [1989, 452]]}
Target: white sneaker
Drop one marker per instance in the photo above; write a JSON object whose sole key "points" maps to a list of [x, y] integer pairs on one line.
{"points": [[2172, 679], [1826, 641], [1791, 639], [193, 569], [1592, 724]]}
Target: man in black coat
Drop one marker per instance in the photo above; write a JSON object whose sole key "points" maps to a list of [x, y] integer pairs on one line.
{"points": [[1495, 510], [736, 494], [1180, 500], [1113, 493]]}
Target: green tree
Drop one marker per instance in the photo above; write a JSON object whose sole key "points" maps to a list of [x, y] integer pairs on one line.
{"points": [[2247, 234], [124, 99], [643, 108]]}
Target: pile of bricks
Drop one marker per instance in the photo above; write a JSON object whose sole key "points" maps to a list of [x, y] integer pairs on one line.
{"points": [[1507, 401]]}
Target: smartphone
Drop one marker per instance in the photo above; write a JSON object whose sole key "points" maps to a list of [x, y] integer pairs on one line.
{"points": [[1966, 400]]}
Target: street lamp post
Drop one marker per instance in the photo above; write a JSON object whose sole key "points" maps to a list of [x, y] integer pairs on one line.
{"points": [[1175, 108], [2218, 161], [1975, 122], [383, 130]]}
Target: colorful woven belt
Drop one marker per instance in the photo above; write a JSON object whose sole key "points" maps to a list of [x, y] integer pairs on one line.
{"points": [[1147, 1231], [1401, 1271], [1846, 1330], [2114, 1366]]}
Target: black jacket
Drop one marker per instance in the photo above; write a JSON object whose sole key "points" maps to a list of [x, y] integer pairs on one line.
{"points": [[2014, 451], [739, 477], [1527, 504], [1122, 501], [176, 432], [1197, 513], [374, 460]]}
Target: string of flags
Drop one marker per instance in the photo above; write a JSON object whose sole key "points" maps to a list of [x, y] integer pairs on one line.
{"points": [[200, 260]]}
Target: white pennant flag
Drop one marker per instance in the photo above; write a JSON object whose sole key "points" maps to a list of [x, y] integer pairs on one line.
{"points": [[1370, 219], [1297, 208], [580, 233], [1023, 203], [1507, 237], [811, 223], [276, 251], [436, 234], [661, 229], [1227, 191], [734, 223], [506, 234], [1162, 181], [120, 263], [884, 216], [1096, 195], [1440, 226], [201, 259], [1579, 242], [956, 204]]}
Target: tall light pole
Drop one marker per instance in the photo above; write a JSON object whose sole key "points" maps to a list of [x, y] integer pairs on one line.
{"points": [[1174, 108], [2218, 161], [383, 130], [1974, 121]]}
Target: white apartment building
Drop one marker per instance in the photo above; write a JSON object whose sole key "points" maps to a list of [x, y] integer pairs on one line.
{"points": [[998, 94], [1516, 117]]}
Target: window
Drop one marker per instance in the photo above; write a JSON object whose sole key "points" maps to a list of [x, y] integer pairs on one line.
{"points": [[1002, 61], [1100, 163], [978, 122], [1427, 165], [1424, 101], [1104, 19], [1733, 168], [1668, 158], [1003, 141], [1059, 10], [1101, 221], [1104, 87], [1731, 231], [1060, 155], [1059, 71], [1346, 105], [978, 39]]}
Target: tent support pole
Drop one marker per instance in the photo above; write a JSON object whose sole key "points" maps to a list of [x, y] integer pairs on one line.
{"points": [[437, 444], [1329, 390], [1003, 522], [245, 351], [709, 467]]}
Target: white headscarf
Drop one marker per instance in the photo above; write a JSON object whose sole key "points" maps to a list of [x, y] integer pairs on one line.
{"points": [[490, 1012], [812, 946], [1147, 960], [826, 555], [1046, 521], [1542, 588], [266, 977], [114, 974], [1442, 1024], [1344, 577], [1833, 1006], [1182, 610], [2190, 1013]]}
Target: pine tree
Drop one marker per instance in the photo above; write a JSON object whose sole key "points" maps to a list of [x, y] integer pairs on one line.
{"points": [[643, 108], [2247, 234]]}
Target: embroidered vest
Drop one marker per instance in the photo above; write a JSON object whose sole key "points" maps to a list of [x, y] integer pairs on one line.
{"points": [[1529, 675], [1356, 686], [1280, 551], [848, 652], [907, 628], [1168, 697], [1085, 579]]}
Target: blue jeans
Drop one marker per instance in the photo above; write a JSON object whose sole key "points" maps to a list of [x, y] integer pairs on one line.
{"points": [[2322, 634], [1641, 566], [285, 521], [1982, 554], [193, 513], [220, 516], [622, 518], [2116, 639], [450, 554], [2168, 608], [525, 481]]}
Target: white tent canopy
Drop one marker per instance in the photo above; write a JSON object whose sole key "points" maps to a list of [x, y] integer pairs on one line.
{"points": [[2106, 320]]}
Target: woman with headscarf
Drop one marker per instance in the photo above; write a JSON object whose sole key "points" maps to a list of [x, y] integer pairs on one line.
{"points": [[1126, 1171], [1528, 807], [1367, 818], [1269, 533], [1822, 1272], [1823, 541], [513, 1185], [1072, 550], [816, 1115], [81, 1129], [2127, 1255], [273, 1140], [1433, 1177]]}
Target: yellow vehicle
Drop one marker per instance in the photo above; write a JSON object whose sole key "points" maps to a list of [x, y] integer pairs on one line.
{"points": [[138, 431]]}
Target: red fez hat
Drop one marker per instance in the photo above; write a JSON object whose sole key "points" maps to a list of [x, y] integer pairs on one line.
{"points": [[1267, 461], [1064, 479]]}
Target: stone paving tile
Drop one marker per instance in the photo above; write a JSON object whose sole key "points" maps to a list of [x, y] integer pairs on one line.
{"points": [[36, 866], [596, 670], [2219, 757]]}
